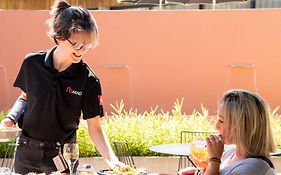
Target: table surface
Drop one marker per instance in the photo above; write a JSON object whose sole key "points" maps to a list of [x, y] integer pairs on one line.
{"points": [[183, 149], [277, 153]]}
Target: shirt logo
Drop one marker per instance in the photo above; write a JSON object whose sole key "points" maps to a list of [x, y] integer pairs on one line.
{"points": [[71, 91]]}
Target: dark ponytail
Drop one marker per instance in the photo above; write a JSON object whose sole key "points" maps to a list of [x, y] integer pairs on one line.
{"points": [[58, 6], [66, 19]]}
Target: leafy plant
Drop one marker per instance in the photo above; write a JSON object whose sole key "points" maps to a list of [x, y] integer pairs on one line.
{"points": [[153, 127], [276, 126], [3, 146], [142, 131]]}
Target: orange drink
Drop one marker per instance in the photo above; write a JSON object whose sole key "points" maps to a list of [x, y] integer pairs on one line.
{"points": [[199, 152]]}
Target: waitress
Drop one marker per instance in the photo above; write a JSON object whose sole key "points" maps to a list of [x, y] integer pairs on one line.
{"points": [[57, 88]]}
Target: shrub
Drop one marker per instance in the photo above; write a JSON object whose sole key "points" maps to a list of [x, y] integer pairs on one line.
{"points": [[3, 145], [142, 131], [276, 126]]}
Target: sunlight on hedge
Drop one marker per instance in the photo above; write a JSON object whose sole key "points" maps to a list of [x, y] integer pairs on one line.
{"points": [[153, 127], [142, 131], [276, 126]]}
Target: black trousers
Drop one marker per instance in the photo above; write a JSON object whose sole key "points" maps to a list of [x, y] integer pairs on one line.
{"points": [[35, 156]]}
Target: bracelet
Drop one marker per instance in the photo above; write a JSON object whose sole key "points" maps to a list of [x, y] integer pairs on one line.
{"points": [[214, 159]]}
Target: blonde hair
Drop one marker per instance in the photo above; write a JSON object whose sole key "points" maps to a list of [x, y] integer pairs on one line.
{"points": [[247, 120]]}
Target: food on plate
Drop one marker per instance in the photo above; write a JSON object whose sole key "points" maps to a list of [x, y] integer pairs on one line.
{"points": [[125, 170], [85, 173], [80, 173], [33, 173]]}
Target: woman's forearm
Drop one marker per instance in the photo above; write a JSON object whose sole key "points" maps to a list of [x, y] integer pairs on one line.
{"points": [[100, 140], [213, 168]]}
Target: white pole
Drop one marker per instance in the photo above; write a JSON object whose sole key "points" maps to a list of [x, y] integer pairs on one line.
{"points": [[214, 4]]}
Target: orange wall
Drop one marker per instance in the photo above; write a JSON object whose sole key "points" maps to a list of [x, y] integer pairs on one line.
{"points": [[151, 58]]}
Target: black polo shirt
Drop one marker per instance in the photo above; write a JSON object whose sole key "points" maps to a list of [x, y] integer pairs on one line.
{"points": [[55, 99]]}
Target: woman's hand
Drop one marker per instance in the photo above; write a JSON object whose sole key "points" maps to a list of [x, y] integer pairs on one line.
{"points": [[7, 122], [115, 164], [215, 146]]}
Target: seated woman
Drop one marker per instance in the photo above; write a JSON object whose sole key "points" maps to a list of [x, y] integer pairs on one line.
{"points": [[243, 120]]}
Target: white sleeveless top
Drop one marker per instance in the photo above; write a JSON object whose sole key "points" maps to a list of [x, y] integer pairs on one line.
{"points": [[249, 166]]}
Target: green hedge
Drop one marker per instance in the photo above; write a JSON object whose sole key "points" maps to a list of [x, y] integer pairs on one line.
{"points": [[142, 131]]}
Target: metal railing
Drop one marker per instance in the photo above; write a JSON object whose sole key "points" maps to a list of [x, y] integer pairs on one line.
{"points": [[247, 4]]}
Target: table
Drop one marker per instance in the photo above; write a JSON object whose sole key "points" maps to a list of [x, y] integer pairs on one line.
{"points": [[180, 149], [276, 153]]}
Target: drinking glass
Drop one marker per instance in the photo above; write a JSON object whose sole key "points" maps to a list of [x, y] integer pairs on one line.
{"points": [[71, 155], [199, 153]]}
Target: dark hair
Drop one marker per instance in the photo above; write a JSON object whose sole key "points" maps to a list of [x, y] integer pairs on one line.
{"points": [[66, 19]]}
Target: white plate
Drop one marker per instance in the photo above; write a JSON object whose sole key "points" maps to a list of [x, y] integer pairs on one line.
{"points": [[9, 133]]}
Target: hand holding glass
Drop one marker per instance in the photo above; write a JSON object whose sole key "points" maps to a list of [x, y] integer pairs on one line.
{"points": [[71, 154], [199, 152]]}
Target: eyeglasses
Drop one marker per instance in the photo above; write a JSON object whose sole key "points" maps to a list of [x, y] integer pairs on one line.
{"points": [[79, 46]]}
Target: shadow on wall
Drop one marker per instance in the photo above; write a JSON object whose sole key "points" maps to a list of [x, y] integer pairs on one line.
{"points": [[4, 89]]}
